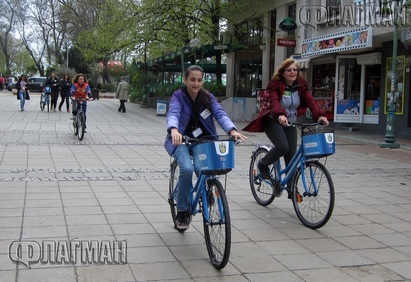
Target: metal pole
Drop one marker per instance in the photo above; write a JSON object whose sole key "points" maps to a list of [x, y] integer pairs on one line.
{"points": [[67, 54], [390, 129], [145, 104]]}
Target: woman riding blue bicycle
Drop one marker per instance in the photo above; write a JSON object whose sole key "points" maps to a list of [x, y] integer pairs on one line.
{"points": [[191, 113], [81, 90], [288, 99]]}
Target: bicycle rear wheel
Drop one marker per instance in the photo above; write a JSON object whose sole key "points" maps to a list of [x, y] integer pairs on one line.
{"points": [[314, 206], [217, 229], [42, 101], [262, 189], [172, 192], [48, 102], [81, 123]]}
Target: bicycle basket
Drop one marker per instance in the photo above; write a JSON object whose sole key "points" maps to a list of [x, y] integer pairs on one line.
{"points": [[320, 143], [47, 89], [215, 157]]}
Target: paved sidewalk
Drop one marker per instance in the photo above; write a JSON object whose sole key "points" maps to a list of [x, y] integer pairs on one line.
{"points": [[112, 186]]}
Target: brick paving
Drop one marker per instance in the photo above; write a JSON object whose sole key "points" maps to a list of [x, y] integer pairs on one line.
{"points": [[112, 186]]}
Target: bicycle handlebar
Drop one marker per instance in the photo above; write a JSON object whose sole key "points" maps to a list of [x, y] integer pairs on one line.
{"points": [[189, 140]]}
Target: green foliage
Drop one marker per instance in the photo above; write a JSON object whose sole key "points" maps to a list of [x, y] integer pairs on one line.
{"points": [[135, 95], [217, 89], [110, 87], [102, 90]]}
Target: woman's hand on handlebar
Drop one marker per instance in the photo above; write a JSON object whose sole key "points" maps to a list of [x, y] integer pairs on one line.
{"points": [[282, 119], [323, 120], [176, 137], [237, 135]]}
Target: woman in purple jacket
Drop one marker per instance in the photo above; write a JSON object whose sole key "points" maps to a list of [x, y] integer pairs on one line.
{"points": [[191, 113]]}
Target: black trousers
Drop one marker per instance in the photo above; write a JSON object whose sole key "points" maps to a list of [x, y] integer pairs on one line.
{"points": [[122, 107], [66, 98], [283, 138], [54, 98]]}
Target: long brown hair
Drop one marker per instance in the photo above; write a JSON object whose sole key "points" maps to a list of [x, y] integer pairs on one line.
{"points": [[203, 97], [75, 79], [278, 75]]}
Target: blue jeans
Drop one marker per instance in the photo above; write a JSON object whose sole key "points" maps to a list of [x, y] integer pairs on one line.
{"points": [[22, 96], [185, 184]]}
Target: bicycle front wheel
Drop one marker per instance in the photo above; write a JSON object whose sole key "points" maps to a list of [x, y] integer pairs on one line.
{"points": [[262, 189], [172, 192], [42, 101], [313, 205], [48, 102], [81, 125], [217, 228]]}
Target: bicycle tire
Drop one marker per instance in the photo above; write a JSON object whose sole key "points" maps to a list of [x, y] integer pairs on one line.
{"points": [[313, 209], [42, 101], [48, 102], [172, 192], [217, 231], [262, 190], [75, 127], [81, 125]]}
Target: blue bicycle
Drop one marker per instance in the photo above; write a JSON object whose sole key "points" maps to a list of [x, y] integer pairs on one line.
{"points": [[307, 181], [45, 98], [208, 195]]}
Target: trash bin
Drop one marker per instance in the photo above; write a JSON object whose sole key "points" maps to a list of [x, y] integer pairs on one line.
{"points": [[161, 107], [96, 93]]}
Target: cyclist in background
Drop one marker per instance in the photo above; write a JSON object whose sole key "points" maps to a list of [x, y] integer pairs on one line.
{"points": [[289, 98], [191, 113], [81, 90]]}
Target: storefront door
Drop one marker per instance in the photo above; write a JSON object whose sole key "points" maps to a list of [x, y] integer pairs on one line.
{"points": [[349, 76]]}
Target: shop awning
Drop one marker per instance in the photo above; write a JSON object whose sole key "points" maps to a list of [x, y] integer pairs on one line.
{"points": [[302, 63]]}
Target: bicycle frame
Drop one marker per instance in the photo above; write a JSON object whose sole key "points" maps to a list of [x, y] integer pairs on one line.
{"points": [[200, 191]]}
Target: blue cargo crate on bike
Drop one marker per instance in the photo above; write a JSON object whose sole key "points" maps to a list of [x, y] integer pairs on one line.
{"points": [[319, 144], [215, 157]]}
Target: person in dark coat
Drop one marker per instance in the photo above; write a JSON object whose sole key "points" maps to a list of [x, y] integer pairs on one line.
{"points": [[53, 82], [65, 85]]}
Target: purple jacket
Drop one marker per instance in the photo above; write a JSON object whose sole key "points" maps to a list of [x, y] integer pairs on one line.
{"points": [[180, 112]]}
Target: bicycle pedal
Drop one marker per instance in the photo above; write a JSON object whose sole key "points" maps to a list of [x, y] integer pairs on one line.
{"points": [[298, 197]]}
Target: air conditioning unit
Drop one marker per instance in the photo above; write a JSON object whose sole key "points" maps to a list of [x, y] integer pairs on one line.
{"points": [[369, 59]]}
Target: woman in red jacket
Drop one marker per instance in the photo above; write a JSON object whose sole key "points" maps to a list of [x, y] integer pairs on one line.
{"points": [[288, 99]]}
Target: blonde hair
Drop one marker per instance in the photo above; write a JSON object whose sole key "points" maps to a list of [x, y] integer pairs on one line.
{"points": [[278, 75]]}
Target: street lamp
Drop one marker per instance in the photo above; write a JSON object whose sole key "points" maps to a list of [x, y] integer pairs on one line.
{"points": [[389, 129], [145, 104]]}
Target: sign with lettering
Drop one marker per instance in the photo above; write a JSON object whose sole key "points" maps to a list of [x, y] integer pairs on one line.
{"points": [[286, 42]]}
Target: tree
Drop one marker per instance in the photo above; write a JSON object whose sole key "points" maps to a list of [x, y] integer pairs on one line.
{"points": [[7, 20]]}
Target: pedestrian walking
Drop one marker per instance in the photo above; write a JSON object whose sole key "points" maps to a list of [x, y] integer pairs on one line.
{"points": [[2, 80], [22, 91], [53, 82], [122, 92], [65, 85]]}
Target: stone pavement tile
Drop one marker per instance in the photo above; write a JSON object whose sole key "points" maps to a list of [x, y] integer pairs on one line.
{"points": [[258, 235], [232, 278], [351, 219], [162, 271], [371, 228], [190, 252], [141, 240], [5, 262], [149, 254], [361, 242], [158, 217], [89, 219], [43, 211], [105, 273], [61, 274], [133, 229], [87, 230], [344, 258], [338, 230], [120, 209], [325, 275], [204, 269], [115, 201], [11, 221], [5, 204], [155, 209], [268, 276], [238, 236], [8, 275], [400, 226], [301, 232], [130, 218], [384, 255], [79, 202], [371, 273], [77, 195], [42, 232], [322, 245], [11, 211], [393, 240], [178, 239], [302, 261], [282, 247], [12, 233], [382, 218], [44, 220]]}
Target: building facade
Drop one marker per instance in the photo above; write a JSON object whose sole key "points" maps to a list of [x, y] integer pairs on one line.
{"points": [[345, 50]]}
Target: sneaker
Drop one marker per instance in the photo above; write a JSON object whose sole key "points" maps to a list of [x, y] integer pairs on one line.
{"points": [[68, 110], [181, 220], [264, 170]]}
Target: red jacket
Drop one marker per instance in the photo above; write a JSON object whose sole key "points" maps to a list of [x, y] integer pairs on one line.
{"points": [[276, 88]]}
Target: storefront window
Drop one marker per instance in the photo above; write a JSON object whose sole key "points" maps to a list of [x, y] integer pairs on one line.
{"points": [[323, 87], [372, 89], [398, 96]]}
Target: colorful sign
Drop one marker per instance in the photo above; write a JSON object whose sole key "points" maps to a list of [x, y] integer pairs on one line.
{"points": [[337, 42], [286, 42]]}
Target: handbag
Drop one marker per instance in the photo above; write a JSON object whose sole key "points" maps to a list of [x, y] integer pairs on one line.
{"points": [[27, 95], [14, 91]]}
